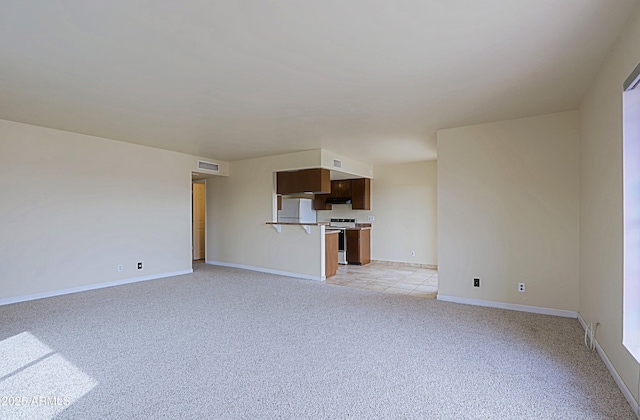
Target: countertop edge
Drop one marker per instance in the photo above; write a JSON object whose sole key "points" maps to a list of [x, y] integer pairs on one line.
{"points": [[299, 224]]}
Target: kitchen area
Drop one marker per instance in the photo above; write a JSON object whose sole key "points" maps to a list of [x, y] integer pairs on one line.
{"points": [[334, 209], [307, 197]]}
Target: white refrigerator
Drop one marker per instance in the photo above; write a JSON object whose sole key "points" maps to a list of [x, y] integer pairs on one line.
{"points": [[297, 210]]}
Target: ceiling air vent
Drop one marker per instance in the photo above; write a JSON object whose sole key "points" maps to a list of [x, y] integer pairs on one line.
{"points": [[337, 163], [208, 166]]}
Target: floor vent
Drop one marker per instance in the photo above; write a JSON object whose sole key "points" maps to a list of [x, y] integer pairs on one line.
{"points": [[208, 166]]}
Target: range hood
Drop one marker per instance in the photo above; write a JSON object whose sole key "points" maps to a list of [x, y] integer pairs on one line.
{"points": [[339, 200]]}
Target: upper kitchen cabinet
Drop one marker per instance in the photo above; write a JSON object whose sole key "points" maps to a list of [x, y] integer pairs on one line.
{"points": [[316, 180], [354, 191], [320, 202], [361, 194], [341, 188]]}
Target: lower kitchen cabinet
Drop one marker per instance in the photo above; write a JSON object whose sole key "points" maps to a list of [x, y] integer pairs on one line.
{"points": [[358, 246], [331, 254]]}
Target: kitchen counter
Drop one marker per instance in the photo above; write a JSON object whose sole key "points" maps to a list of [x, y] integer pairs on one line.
{"points": [[360, 248], [306, 226], [299, 224]]}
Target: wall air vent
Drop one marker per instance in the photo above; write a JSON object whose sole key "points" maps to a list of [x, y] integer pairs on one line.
{"points": [[208, 166], [337, 163]]}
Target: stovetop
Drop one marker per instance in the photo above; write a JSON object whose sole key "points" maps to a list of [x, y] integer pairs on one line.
{"points": [[343, 223]]}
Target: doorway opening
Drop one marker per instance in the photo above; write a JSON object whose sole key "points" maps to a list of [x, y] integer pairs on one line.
{"points": [[198, 220]]}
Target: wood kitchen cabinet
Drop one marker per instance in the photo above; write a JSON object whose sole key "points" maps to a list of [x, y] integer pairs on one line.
{"points": [[316, 180], [361, 194], [358, 246], [341, 188], [320, 202], [331, 254], [359, 190]]}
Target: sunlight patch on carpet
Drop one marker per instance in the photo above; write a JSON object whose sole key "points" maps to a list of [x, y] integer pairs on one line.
{"points": [[35, 381]]}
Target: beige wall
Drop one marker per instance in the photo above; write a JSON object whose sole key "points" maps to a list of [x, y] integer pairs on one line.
{"points": [[508, 211], [238, 208], [350, 166], [403, 202], [601, 241], [73, 207]]}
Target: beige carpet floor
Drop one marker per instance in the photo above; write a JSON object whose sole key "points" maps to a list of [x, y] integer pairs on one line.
{"points": [[227, 343]]}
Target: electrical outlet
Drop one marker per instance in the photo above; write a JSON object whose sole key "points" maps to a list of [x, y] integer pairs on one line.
{"points": [[476, 282], [521, 288], [413, 253], [119, 267], [371, 218], [139, 265]]}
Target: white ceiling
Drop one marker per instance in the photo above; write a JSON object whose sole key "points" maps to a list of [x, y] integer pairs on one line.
{"points": [[371, 79]]}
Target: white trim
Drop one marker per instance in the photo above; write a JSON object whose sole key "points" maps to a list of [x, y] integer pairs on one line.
{"points": [[510, 306], [267, 270], [70, 290], [623, 387]]}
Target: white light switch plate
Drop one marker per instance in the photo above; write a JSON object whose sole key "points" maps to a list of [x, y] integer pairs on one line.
{"points": [[371, 218]]}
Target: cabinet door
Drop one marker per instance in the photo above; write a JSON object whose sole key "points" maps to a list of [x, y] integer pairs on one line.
{"points": [[359, 246], [334, 189], [320, 202], [305, 180], [353, 246], [315, 180], [287, 183], [365, 246], [341, 188], [361, 194], [344, 188], [331, 254]]}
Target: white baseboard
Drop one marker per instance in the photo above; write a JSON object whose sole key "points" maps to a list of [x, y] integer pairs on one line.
{"points": [[510, 306], [267, 270], [616, 377], [70, 290]]}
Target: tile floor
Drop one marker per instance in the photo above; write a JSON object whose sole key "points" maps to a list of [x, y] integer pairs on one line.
{"points": [[389, 278]]}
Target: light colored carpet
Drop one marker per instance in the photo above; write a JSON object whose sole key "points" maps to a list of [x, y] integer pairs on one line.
{"points": [[227, 343]]}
